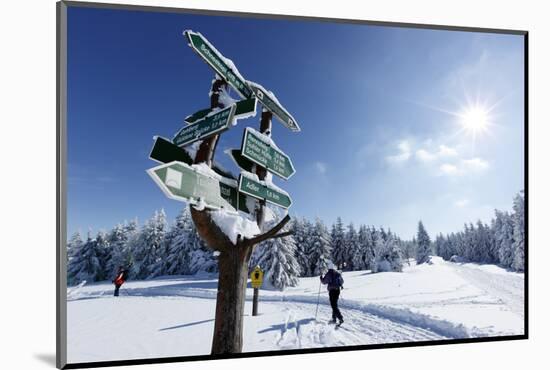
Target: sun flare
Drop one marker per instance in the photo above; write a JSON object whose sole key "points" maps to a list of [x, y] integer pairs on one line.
{"points": [[475, 120]]}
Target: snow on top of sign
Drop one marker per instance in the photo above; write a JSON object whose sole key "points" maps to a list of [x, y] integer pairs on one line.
{"points": [[225, 98], [204, 169], [227, 61], [268, 181], [270, 93], [200, 205], [266, 139], [273, 97], [250, 175], [233, 224], [193, 148]]}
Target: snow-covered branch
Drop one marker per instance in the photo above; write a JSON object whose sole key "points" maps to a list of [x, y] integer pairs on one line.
{"points": [[269, 234]]}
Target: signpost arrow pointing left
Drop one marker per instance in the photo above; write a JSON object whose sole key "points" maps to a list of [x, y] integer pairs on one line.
{"points": [[211, 124]]}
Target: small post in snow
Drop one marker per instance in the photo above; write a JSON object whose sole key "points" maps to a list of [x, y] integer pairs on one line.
{"points": [[256, 278]]}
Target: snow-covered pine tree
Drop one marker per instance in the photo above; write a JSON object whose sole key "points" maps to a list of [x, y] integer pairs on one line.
{"points": [[179, 250], [379, 244], [201, 258], [120, 254], [446, 249], [300, 227], [439, 244], [482, 244], [503, 228], [518, 218], [363, 254], [394, 250], [339, 253], [73, 248], [319, 248], [388, 256], [424, 245], [277, 257], [85, 265], [352, 247], [147, 245], [102, 245]]}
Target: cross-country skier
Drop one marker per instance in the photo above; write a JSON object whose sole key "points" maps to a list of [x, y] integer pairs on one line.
{"points": [[334, 281], [120, 278]]}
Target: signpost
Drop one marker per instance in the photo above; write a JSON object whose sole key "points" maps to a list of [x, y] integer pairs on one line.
{"points": [[195, 180], [256, 278], [260, 149], [250, 185], [270, 103], [245, 108], [164, 151], [211, 124], [223, 66], [242, 162], [182, 182]]}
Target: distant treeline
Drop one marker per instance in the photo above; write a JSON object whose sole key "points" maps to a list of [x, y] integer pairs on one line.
{"points": [[158, 249]]}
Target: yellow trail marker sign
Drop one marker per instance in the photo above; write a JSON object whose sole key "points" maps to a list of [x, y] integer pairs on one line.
{"points": [[257, 277]]}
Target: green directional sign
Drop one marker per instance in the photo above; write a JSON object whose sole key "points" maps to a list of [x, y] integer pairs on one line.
{"points": [[274, 106], [230, 193], [164, 151], [242, 162], [245, 108], [261, 190], [197, 116], [261, 150], [223, 66], [182, 182], [211, 124]]}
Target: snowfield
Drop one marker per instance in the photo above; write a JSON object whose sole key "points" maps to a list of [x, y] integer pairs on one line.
{"points": [[174, 316]]}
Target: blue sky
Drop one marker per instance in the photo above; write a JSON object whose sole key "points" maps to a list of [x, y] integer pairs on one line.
{"points": [[383, 112]]}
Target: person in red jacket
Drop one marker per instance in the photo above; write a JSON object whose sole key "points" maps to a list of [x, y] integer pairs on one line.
{"points": [[120, 278]]}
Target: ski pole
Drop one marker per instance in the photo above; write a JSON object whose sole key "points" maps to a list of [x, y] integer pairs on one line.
{"points": [[318, 295]]}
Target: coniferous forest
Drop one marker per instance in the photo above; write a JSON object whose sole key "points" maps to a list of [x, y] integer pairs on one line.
{"points": [[159, 248]]}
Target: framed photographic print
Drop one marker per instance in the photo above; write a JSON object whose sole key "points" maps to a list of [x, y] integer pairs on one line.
{"points": [[235, 185]]}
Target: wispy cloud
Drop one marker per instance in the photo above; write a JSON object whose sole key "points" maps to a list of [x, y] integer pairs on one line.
{"points": [[461, 203], [425, 156], [464, 167], [445, 151], [404, 153], [443, 160], [321, 167], [449, 169], [475, 164]]}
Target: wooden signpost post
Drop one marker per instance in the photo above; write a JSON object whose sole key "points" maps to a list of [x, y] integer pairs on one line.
{"points": [[186, 175]]}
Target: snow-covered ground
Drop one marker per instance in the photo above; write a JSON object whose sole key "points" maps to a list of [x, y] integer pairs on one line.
{"points": [[175, 316]]}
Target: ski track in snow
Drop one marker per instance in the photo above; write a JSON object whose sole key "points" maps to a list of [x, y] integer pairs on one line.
{"points": [[507, 289], [424, 303], [359, 328]]}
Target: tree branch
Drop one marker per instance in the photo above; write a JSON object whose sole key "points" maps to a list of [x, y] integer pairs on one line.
{"points": [[282, 235], [269, 234]]}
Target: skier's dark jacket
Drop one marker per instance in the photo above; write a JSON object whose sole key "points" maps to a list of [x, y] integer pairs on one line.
{"points": [[333, 279]]}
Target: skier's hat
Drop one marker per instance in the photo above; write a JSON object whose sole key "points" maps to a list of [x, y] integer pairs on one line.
{"points": [[331, 266]]}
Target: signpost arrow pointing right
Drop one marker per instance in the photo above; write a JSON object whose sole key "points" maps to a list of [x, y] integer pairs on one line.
{"points": [[249, 184], [271, 103]]}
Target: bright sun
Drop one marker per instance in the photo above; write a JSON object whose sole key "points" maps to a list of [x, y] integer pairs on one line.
{"points": [[475, 120]]}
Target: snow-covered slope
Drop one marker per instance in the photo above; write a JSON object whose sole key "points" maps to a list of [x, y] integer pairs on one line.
{"points": [[174, 316]]}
